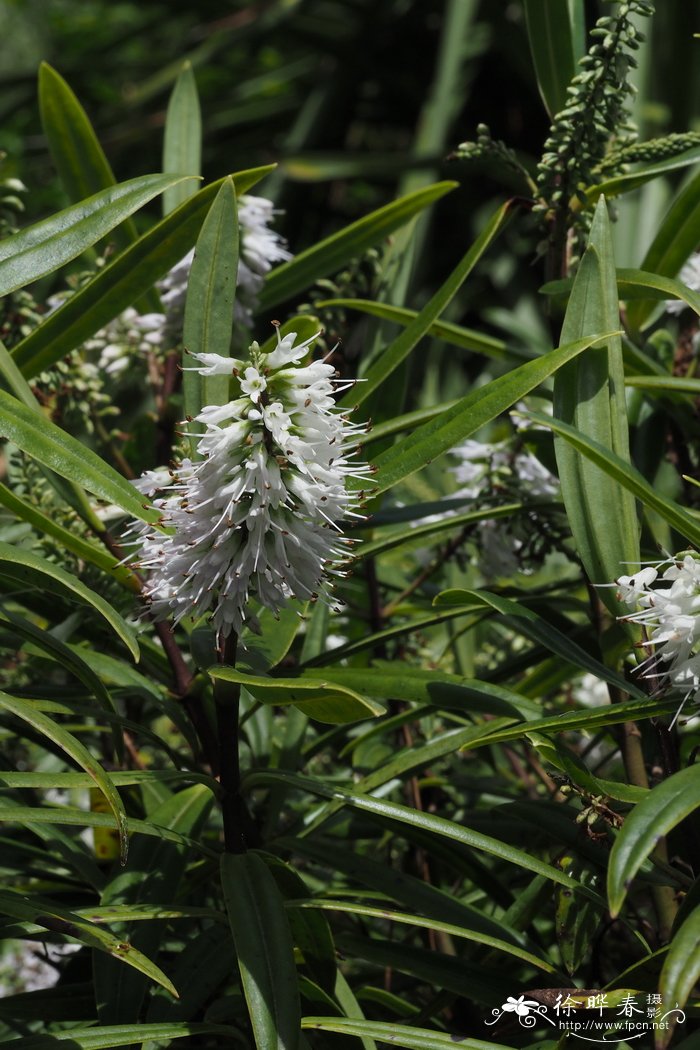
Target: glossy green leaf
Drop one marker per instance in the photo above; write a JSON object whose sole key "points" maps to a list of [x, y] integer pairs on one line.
{"points": [[124, 280], [272, 639], [628, 476], [72, 747], [631, 180], [81, 818], [320, 699], [672, 386], [677, 237], [681, 970], [152, 876], [103, 1037], [401, 347], [53, 242], [575, 921], [454, 334], [638, 281], [49, 916], [22, 565], [447, 524], [41, 439], [538, 630], [663, 809], [589, 396], [469, 415], [182, 144], [211, 289], [433, 924], [400, 814], [330, 254], [396, 1034], [550, 33], [264, 950]]}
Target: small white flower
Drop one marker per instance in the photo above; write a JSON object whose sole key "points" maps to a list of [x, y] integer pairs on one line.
{"points": [[257, 515], [690, 276], [669, 610]]}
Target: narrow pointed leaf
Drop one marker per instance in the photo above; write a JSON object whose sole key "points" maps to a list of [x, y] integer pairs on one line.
{"points": [[264, 949], [101, 1038], [681, 969], [320, 699], [182, 145], [329, 255], [628, 476], [677, 236], [469, 415], [552, 41], [400, 814], [22, 565], [41, 439], [53, 242], [538, 630], [75, 750], [589, 396], [397, 1035], [211, 289], [663, 809], [402, 346]]}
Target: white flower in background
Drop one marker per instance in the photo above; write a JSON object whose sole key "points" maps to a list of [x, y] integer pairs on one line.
{"points": [[667, 605], [690, 276], [127, 336], [501, 542], [260, 248], [257, 516]]}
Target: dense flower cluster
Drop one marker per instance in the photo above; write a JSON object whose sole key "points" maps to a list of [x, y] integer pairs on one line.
{"points": [[667, 605], [690, 276], [483, 470], [256, 516]]}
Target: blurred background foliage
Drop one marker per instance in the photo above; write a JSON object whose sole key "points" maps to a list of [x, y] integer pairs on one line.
{"points": [[358, 100]]}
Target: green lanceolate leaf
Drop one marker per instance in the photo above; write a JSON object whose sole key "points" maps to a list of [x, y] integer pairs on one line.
{"points": [[631, 180], [402, 346], [124, 280], [469, 415], [397, 1035], [28, 568], [104, 1037], [211, 290], [454, 334], [320, 699], [53, 242], [399, 814], [550, 32], [329, 255], [663, 809], [46, 914], [75, 750], [677, 236], [538, 630], [264, 949], [152, 876], [639, 281], [589, 396], [41, 439], [681, 969], [182, 145], [628, 477]]}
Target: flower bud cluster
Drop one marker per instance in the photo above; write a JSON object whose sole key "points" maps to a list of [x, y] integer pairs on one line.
{"points": [[256, 516]]}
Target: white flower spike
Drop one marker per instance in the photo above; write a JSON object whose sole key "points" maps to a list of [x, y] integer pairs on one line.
{"points": [[670, 614], [257, 516]]}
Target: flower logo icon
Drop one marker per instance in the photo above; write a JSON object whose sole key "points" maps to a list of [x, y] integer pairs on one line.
{"points": [[520, 1006]]}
